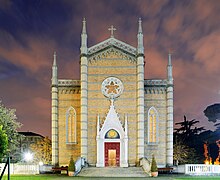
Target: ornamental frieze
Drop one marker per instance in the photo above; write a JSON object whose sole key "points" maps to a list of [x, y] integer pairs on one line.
{"points": [[69, 91], [155, 90], [112, 53]]}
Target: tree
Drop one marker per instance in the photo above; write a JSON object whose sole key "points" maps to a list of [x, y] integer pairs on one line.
{"points": [[153, 165], [184, 154], [3, 142], [187, 137], [9, 123], [212, 112], [42, 150], [187, 131]]}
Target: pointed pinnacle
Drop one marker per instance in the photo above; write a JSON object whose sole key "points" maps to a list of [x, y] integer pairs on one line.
{"points": [[140, 26], [169, 59], [54, 59], [84, 26]]}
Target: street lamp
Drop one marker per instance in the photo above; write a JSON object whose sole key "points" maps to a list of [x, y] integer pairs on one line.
{"points": [[28, 156]]}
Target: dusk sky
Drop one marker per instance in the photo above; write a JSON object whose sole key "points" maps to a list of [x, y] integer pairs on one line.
{"points": [[31, 30]]}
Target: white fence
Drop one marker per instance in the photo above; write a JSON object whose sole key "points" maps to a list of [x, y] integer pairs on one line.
{"points": [[20, 168], [202, 169], [198, 169]]}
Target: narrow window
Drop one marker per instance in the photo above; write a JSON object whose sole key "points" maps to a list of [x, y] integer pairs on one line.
{"points": [[71, 126], [152, 126]]}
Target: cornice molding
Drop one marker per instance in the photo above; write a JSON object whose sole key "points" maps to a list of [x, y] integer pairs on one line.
{"points": [[69, 83], [155, 82]]}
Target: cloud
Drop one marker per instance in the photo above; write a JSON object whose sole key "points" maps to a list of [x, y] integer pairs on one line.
{"points": [[30, 58], [5, 4], [29, 38], [207, 52]]}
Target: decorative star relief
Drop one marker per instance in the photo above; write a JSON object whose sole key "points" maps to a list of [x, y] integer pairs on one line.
{"points": [[112, 87]]}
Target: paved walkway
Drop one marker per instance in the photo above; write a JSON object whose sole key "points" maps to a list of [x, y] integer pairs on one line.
{"points": [[113, 172]]}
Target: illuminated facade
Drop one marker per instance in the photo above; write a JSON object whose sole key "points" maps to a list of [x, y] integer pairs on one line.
{"points": [[112, 116]]}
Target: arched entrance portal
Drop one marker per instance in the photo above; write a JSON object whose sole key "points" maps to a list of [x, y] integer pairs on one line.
{"points": [[112, 136], [112, 148], [112, 141]]}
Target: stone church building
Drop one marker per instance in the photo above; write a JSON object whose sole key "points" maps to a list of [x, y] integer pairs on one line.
{"points": [[112, 116]]}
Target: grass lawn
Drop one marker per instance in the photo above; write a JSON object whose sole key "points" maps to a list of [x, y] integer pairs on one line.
{"points": [[63, 177]]}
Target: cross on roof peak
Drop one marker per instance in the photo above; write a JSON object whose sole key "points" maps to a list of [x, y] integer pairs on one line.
{"points": [[112, 29]]}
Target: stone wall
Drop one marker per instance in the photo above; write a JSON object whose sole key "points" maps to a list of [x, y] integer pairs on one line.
{"points": [[98, 71], [158, 101], [68, 96]]}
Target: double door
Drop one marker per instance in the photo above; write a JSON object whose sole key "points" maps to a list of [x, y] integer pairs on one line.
{"points": [[112, 153]]}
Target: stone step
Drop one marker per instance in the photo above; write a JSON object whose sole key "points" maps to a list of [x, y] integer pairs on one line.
{"points": [[113, 172]]}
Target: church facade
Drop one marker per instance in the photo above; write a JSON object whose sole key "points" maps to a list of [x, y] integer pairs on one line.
{"points": [[112, 116]]}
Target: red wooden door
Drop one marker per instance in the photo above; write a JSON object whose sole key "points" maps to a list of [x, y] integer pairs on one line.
{"points": [[112, 146]]}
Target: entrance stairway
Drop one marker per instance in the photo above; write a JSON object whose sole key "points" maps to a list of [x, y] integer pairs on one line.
{"points": [[113, 172]]}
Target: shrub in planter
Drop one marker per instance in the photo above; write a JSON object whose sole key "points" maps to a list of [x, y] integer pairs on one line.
{"points": [[154, 170], [71, 167]]}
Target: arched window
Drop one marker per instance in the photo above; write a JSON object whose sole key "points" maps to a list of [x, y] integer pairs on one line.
{"points": [[152, 126], [71, 126]]}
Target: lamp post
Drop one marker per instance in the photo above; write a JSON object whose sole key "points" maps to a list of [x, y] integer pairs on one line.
{"points": [[28, 157]]}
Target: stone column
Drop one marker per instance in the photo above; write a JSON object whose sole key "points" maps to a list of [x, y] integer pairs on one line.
{"points": [[54, 115], [84, 92], [169, 153], [140, 106], [84, 106], [140, 94]]}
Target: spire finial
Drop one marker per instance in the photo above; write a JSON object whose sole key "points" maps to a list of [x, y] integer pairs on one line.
{"points": [[140, 37], [83, 48], [112, 29], [54, 59], [170, 57], [140, 26], [169, 68], [54, 70], [84, 26]]}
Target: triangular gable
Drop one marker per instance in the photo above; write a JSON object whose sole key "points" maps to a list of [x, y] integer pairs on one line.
{"points": [[112, 42], [112, 121]]}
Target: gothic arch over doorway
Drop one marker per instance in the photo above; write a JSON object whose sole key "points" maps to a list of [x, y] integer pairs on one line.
{"points": [[112, 136]]}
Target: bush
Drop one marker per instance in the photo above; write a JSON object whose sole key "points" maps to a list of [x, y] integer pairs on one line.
{"points": [[154, 165], [71, 166]]}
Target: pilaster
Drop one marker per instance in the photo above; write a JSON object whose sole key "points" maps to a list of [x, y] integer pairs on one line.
{"points": [[140, 93], [140, 107], [54, 113], [84, 92], [84, 106], [169, 145]]}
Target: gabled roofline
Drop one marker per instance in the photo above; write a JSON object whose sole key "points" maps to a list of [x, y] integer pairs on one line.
{"points": [[112, 42]]}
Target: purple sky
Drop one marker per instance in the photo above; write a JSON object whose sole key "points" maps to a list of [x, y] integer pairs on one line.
{"points": [[30, 31]]}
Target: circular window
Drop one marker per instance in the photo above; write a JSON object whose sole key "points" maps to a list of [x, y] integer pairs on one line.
{"points": [[112, 87]]}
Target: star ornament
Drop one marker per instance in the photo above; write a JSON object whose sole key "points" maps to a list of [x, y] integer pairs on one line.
{"points": [[112, 87]]}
